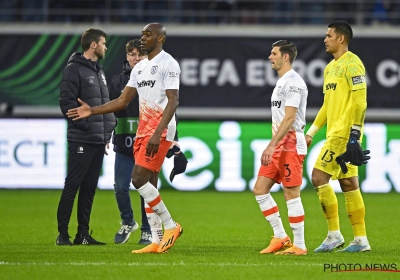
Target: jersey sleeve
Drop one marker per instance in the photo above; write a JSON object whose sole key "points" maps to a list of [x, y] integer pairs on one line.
{"points": [[293, 94], [171, 74], [355, 75]]}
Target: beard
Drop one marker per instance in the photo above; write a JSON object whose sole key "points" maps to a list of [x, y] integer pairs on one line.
{"points": [[100, 55]]}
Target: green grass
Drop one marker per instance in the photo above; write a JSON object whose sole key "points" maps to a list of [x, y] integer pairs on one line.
{"points": [[223, 234]]}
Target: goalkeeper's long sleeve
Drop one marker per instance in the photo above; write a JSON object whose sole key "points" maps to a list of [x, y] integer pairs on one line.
{"points": [[360, 106], [321, 118]]}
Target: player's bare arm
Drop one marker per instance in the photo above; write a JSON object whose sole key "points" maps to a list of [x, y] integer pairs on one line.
{"points": [[287, 122], [115, 105], [169, 111]]}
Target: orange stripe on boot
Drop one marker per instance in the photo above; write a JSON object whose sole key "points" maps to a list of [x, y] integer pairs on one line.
{"points": [[270, 211], [155, 201], [296, 219]]}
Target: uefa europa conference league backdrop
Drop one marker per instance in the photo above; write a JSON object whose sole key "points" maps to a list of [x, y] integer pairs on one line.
{"points": [[217, 71], [222, 155]]}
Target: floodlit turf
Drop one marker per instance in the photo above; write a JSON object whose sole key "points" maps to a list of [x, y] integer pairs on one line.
{"points": [[223, 234]]}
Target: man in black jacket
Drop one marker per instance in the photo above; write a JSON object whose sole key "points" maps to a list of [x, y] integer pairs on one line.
{"points": [[84, 78], [123, 139]]}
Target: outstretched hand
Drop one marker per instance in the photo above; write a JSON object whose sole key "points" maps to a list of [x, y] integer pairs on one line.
{"points": [[81, 112]]}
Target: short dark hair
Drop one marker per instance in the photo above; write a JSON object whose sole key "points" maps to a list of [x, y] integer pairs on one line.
{"points": [[133, 44], [287, 47], [91, 35], [342, 28]]}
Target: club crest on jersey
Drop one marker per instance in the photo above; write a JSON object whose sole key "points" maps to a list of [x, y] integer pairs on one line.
{"points": [[153, 69]]}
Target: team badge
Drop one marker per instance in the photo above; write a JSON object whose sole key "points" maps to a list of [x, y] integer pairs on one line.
{"points": [[154, 69], [91, 78], [80, 150]]}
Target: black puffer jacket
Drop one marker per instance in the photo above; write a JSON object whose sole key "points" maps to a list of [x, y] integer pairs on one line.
{"points": [[85, 79], [125, 132]]}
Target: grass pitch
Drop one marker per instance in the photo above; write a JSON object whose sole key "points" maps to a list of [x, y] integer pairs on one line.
{"points": [[223, 234]]}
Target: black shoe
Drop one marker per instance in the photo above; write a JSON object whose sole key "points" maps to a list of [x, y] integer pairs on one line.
{"points": [[86, 239], [63, 240]]}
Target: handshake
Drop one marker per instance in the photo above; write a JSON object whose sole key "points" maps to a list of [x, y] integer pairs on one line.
{"points": [[354, 153]]}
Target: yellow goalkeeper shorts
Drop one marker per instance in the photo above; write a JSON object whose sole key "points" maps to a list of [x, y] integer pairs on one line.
{"points": [[326, 161]]}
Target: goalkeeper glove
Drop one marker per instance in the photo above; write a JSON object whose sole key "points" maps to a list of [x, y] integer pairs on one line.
{"points": [[354, 152], [172, 151], [343, 158]]}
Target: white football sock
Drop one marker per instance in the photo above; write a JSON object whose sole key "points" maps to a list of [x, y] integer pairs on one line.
{"points": [[152, 197], [270, 210]]}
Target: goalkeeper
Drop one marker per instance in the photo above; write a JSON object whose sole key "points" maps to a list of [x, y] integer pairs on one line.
{"points": [[343, 111]]}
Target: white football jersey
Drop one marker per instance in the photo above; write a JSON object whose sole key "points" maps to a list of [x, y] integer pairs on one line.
{"points": [[290, 90], [152, 78]]}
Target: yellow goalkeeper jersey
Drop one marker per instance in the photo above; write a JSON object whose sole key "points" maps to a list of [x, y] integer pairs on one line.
{"points": [[344, 86]]}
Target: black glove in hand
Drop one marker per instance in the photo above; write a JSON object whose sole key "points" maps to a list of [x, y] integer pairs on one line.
{"points": [[172, 151], [343, 158], [355, 154], [365, 158], [354, 151]]}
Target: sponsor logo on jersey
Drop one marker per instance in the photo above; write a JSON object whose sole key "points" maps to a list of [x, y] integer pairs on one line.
{"points": [[294, 89], [80, 150], [173, 74], [330, 86], [358, 80], [276, 103], [139, 72], [149, 83], [153, 69]]}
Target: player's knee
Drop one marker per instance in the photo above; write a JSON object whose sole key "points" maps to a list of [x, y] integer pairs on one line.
{"points": [[349, 184], [138, 182], [256, 191], [317, 181], [319, 178], [291, 192]]}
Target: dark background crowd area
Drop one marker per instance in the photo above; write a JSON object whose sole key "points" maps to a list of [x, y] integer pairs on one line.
{"points": [[360, 12]]}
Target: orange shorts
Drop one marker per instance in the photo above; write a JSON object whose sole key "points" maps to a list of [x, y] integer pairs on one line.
{"points": [[285, 168], [152, 163]]}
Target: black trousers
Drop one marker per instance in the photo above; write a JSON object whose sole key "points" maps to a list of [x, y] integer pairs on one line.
{"points": [[84, 166]]}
